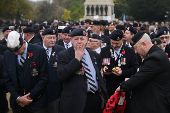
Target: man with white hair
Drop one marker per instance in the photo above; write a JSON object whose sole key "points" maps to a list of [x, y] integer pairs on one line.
{"points": [[150, 85], [151, 32], [25, 75]]}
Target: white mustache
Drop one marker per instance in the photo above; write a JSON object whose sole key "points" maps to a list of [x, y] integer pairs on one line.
{"points": [[51, 42]]}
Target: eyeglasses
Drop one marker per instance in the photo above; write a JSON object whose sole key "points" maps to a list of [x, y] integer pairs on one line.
{"points": [[52, 38], [166, 37], [92, 41]]}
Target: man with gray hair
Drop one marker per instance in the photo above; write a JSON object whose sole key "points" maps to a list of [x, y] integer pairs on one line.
{"points": [[151, 32], [150, 85]]}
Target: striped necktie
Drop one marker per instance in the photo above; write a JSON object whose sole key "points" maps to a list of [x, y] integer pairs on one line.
{"points": [[47, 51], [89, 76], [22, 60]]}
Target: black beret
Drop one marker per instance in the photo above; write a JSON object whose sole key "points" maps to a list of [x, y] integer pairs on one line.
{"points": [[60, 23], [67, 30], [49, 31], [22, 24], [156, 41], [116, 35], [48, 23], [120, 27], [87, 21], [95, 36], [136, 25], [42, 26], [82, 22], [76, 24], [137, 37], [142, 28], [128, 25], [103, 22], [132, 30], [78, 32], [28, 30], [111, 23], [5, 28], [95, 22], [162, 32]]}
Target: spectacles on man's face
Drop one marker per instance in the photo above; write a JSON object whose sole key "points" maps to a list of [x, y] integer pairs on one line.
{"points": [[51, 38], [164, 37], [92, 40]]}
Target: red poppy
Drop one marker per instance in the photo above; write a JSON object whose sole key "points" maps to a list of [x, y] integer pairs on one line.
{"points": [[30, 54], [123, 52], [34, 64], [167, 54]]}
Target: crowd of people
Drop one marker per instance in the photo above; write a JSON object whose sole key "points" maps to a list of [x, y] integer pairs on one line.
{"points": [[75, 67]]}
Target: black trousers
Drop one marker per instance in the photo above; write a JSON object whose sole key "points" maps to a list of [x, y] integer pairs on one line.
{"points": [[28, 110], [93, 103]]}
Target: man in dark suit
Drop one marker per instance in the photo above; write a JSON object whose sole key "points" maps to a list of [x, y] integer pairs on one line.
{"points": [[65, 42], [42, 27], [79, 68], [26, 75], [6, 30], [150, 85], [3, 102], [3, 49], [54, 85], [29, 35], [95, 27]]}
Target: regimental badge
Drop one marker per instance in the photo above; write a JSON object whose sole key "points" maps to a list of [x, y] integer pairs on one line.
{"points": [[155, 42], [91, 35], [34, 72], [69, 31], [53, 54], [55, 64], [84, 32], [92, 22], [128, 28], [106, 61], [43, 27], [164, 32], [118, 38], [74, 24], [53, 31]]}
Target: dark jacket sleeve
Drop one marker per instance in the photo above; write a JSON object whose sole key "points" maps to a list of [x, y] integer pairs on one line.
{"points": [[150, 69], [2, 84], [66, 69]]}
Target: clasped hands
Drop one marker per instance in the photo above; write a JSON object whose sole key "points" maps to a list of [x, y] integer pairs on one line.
{"points": [[117, 73], [24, 100]]}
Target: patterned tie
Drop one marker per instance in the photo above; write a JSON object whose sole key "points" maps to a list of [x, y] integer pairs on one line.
{"points": [[89, 76], [127, 45], [66, 46], [47, 51], [22, 60]]}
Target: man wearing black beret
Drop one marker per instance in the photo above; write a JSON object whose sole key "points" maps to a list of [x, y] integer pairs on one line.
{"points": [[29, 35], [121, 27], [22, 27], [95, 27], [76, 25], [5, 32], [111, 27], [123, 59], [65, 42], [150, 85], [137, 26], [79, 69], [54, 86], [94, 43]]}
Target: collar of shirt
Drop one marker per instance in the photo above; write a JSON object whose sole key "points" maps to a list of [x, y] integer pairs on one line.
{"points": [[69, 44], [109, 32], [128, 45], [24, 53], [98, 50], [50, 50], [117, 51], [100, 34], [87, 29], [5, 39], [30, 39]]}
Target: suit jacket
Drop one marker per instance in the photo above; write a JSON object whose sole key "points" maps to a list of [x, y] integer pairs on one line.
{"points": [[38, 36], [167, 50], [34, 40], [106, 32], [60, 42], [3, 42], [152, 36], [128, 69], [3, 49], [150, 86], [54, 85], [105, 39], [35, 84], [73, 97]]}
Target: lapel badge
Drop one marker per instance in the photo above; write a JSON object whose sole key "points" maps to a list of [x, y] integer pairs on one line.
{"points": [[69, 31], [112, 55], [164, 32], [53, 31], [53, 54], [34, 72], [155, 42], [43, 27], [55, 64]]}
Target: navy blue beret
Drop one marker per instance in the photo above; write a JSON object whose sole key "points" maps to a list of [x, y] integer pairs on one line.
{"points": [[28, 30], [137, 37], [82, 22], [22, 24], [116, 35], [5, 28], [49, 31], [95, 22], [103, 22], [67, 30], [87, 21], [162, 32], [120, 27], [136, 25], [142, 28], [95, 36], [75, 24], [132, 30], [78, 32]]}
